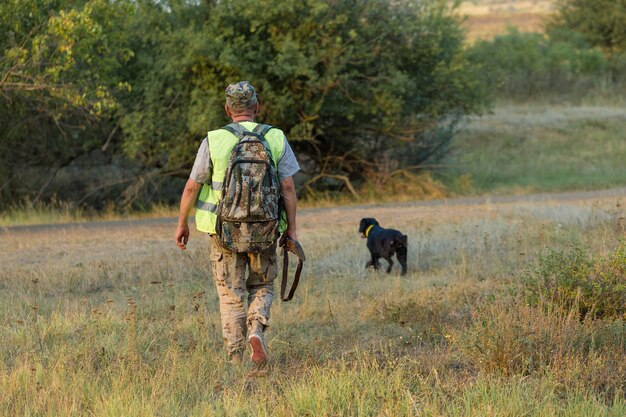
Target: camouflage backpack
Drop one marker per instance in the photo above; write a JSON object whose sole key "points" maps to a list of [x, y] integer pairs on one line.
{"points": [[248, 215]]}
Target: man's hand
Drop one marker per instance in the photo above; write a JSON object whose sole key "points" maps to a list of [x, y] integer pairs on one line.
{"points": [[287, 235], [290, 200], [182, 236], [186, 203], [292, 234]]}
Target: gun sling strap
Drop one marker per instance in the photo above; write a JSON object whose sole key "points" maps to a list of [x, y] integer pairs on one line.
{"points": [[290, 245]]}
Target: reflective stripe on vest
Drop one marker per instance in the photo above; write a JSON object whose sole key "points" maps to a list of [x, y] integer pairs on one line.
{"points": [[221, 143], [217, 186], [206, 206]]}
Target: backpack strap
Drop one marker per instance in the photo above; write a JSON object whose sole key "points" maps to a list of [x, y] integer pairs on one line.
{"points": [[239, 131], [262, 129], [259, 131], [236, 129]]}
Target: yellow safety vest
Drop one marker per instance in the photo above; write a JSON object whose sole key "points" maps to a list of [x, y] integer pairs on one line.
{"points": [[221, 144]]}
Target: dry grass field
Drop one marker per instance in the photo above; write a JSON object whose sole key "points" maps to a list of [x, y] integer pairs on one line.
{"points": [[488, 18], [116, 321]]}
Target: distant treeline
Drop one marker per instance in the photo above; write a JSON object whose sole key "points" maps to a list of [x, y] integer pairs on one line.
{"points": [[105, 102], [581, 52], [560, 65]]}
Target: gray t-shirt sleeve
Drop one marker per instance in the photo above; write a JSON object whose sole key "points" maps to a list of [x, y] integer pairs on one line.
{"points": [[287, 163], [202, 168]]}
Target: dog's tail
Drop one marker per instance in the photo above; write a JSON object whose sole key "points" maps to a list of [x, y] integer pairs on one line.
{"points": [[402, 240], [400, 243]]}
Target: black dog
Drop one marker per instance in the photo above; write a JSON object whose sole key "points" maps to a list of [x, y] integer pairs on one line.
{"points": [[383, 243]]}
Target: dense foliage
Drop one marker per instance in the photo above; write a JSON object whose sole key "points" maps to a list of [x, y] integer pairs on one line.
{"points": [[601, 22], [559, 63], [58, 85], [358, 86]]}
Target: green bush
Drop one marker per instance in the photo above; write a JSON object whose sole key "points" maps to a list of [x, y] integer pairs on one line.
{"points": [[595, 288], [525, 65], [600, 22], [359, 87]]}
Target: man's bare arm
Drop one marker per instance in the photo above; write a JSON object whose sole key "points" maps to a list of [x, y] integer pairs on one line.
{"points": [[290, 200], [187, 201]]}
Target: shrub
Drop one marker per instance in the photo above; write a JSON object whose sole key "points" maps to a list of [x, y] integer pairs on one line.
{"points": [[595, 288], [523, 65], [513, 339], [599, 21], [355, 85]]}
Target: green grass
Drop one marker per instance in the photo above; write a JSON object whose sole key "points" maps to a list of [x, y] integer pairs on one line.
{"points": [[119, 322], [539, 148]]}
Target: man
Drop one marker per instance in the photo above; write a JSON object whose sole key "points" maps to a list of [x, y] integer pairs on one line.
{"points": [[229, 268]]}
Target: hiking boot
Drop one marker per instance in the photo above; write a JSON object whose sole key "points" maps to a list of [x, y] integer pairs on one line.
{"points": [[259, 349]]}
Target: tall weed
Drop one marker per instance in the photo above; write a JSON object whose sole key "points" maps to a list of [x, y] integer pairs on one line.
{"points": [[509, 339], [574, 280]]}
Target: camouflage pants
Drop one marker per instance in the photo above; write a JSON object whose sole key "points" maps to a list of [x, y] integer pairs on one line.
{"points": [[229, 273]]}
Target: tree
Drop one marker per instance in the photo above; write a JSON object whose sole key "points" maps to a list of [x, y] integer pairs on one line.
{"points": [[527, 65], [602, 22], [360, 87], [57, 85], [355, 84]]}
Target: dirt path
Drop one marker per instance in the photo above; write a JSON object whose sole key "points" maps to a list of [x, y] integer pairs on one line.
{"points": [[543, 197]]}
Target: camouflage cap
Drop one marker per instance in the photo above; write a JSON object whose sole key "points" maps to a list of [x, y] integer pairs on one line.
{"points": [[240, 96]]}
